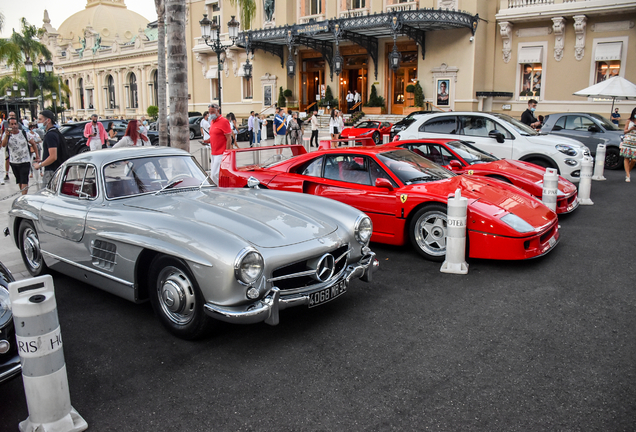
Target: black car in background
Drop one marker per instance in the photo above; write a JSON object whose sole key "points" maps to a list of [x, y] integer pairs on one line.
{"points": [[194, 124], [76, 143], [10, 366], [591, 129]]}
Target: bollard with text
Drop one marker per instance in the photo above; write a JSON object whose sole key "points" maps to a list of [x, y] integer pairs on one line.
{"points": [[550, 188], [205, 157], [585, 184], [599, 163], [43, 368], [455, 261], [386, 139]]}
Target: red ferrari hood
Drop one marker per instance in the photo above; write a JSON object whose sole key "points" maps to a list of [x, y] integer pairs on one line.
{"points": [[530, 172], [492, 197], [355, 131]]}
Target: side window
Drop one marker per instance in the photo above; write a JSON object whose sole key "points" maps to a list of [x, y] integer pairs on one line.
{"points": [[377, 172], [72, 180], [476, 126], [429, 151], [503, 130], [348, 169], [89, 187], [442, 125], [55, 181], [312, 169], [560, 123], [579, 123], [76, 132]]}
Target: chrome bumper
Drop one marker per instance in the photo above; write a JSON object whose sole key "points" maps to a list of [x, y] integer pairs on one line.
{"points": [[267, 309], [10, 368]]}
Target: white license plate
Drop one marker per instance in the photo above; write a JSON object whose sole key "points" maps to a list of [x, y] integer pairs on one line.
{"points": [[327, 294], [552, 241]]}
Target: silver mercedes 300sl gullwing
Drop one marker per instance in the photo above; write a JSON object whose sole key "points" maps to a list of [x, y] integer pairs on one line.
{"points": [[148, 223]]}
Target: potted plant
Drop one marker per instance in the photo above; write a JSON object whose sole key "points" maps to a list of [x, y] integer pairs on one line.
{"points": [[375, 103], [418, 99], [281, 99]]}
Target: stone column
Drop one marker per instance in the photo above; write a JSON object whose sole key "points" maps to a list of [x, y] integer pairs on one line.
{"points": [[142, 91]]}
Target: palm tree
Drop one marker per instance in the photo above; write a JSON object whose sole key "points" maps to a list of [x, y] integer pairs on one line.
{"points": [[246, 10], [162, 121], [178, 74]]}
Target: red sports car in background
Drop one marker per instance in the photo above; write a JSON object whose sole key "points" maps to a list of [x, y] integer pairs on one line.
{"points": [[463, 158], [373, 129], [405, 195]]}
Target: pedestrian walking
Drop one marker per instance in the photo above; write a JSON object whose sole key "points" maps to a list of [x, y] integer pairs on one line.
{"points": [[356, 99], [628, 146], [349, 99], [250, 129], [132, 137], [112, 134], [33, 135], [204, 124], [20, 148], [53, 152], [295, 131], [263, 133], [334, 128], [232, 119], [280, 128], [528, 117], [314, 129], [220, 140], [95, 133]]}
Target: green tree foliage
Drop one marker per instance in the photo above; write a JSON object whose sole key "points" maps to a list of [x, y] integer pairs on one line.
{"points": [[281, 99], [246, 12], [374, 99], [287, 93], [153, 111], [419, 95]]}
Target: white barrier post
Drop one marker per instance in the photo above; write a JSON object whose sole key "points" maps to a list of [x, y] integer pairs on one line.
{"points": [[386, 139], [599, 163], [455, 261], [40, 348], [550, 188], [205, 158], [585, 184]]}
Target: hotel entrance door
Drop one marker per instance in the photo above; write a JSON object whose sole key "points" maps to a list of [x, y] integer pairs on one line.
{"points": [[312, 78], [353, 77]]}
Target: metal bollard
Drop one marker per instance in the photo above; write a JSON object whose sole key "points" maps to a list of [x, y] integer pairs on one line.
{"points": [[352, 143], [599, 163], [40, 348], [455, 261], [550, 188], [386, 139], [585, 184], [205, 157]]}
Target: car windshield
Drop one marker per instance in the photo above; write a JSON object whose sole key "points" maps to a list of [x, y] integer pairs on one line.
{"points": [[413, 115], [367, 125], [412, 168], [470, 154], [521, 128], [142, 175], [608, 125]]}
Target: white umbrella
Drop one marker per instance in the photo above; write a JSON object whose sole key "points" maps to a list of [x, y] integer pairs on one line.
{"points": [[616, 88]]}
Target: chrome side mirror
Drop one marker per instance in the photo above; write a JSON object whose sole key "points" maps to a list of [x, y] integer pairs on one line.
{"points": [[253, 183]]}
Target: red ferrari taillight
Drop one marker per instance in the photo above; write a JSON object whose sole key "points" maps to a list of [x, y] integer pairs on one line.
{"points": [[396, 138]]}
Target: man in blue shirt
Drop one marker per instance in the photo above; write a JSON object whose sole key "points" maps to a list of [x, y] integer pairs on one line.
{"points": [[280, 129], [616, 117]]}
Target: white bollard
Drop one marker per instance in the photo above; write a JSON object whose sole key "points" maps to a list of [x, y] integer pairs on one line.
{"points": [[40, 348], [386, 139], [550, 188], [205, 157], [599, 163], [455, 261], [585, 184]]}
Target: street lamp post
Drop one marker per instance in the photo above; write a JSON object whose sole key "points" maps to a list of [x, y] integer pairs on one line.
{"points": [[42, 69], [22, 93], [211, 34], [6, 102], [54, 95], [28, 65]]}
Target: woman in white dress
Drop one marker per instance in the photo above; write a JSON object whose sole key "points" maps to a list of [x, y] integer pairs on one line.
{"points": [[132, 137]]}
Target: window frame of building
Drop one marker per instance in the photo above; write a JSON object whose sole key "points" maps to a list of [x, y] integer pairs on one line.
{"points": [[247, 88], [623, 61], [110, 92], [80, 87], [214, 89], [133, 94], [520, 66]]}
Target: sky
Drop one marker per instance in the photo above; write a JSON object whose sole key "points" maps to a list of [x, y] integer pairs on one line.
{"points": [[33, 11]]}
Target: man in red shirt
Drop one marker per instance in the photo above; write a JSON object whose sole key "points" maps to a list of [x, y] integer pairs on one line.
{"points": [[220, 139]]}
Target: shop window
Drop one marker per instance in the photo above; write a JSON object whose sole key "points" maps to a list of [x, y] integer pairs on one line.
{"points": [[214, 89], [531, 76], [607, 58], [607, 69]]}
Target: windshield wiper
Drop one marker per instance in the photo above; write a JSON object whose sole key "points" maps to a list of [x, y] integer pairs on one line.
{"points": [[425, 179]]}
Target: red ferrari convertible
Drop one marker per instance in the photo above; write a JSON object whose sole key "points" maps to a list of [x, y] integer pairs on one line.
{"points": [[463, 158], [405, 195], [373, 129]]}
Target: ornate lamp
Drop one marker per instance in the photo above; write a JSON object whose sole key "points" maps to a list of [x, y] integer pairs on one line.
{"points": [[205, 24], [48, 66], [15, 87], [28, 64], [291, 67], [22, 92], [41, 67], [394, 58], [233, 29], [247, 68], [337, 63]]}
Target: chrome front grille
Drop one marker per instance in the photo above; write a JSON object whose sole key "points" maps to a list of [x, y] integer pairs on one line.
{"points": [[306, 273], [104, 254]]}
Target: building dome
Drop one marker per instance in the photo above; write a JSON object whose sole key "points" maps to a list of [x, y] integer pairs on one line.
{"points": [[110, 18]]}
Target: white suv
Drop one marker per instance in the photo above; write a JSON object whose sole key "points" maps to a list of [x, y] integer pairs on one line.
{"points": [[504, 137]]}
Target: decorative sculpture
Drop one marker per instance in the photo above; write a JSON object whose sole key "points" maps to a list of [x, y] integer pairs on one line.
{"points": [[269, 5]]}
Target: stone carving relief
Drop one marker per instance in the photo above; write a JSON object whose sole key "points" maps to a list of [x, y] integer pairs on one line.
{"points": [[447, 4], [558, 27], [505, 30], [231, 55], [580, 23]]}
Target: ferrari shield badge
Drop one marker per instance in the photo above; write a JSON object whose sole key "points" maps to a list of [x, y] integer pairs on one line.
{"points": [[470, 172], [403, 198]]}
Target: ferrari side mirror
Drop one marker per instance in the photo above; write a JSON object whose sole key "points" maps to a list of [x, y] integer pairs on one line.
{"points": [[384, 183]]}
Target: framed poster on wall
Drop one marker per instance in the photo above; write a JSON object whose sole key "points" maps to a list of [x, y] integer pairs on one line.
{"points": [[267, 95], [443, 92]]}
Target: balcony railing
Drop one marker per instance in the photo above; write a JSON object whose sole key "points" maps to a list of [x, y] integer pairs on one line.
{"points": [[351, 13], [510, 4], [318, 17], [402, 6]]}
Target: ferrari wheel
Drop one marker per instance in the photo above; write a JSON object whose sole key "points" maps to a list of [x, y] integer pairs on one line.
{"points": [[191, 135], [428, 231], [30, 249], [376, 137], [176, 298]]}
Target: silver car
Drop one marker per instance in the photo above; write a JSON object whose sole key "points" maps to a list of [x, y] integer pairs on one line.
{"points": [[147, 223]]}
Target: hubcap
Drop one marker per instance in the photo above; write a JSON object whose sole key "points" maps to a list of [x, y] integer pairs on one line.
{"points": [[430, 233], [31, 246], [176, 295]]}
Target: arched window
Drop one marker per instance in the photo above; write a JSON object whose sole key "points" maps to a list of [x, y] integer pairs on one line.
{"points": [[155, 88], [80, 85], [132, 91], [110, 91]]}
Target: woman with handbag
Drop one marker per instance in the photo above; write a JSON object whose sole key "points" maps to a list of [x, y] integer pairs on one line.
{"points": [[334, 128], [628, 146]]}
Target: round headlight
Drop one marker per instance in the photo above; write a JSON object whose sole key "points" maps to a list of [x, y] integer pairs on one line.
{"points": [[363, 229], [248, 266], [5, 307]]}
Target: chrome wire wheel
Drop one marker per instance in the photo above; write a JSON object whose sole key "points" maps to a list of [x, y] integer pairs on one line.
{"points": [[429, 230], [176, 295], [31, 249]]}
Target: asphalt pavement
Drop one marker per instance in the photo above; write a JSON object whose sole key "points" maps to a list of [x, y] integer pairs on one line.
{"points": [[544, 344]]}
